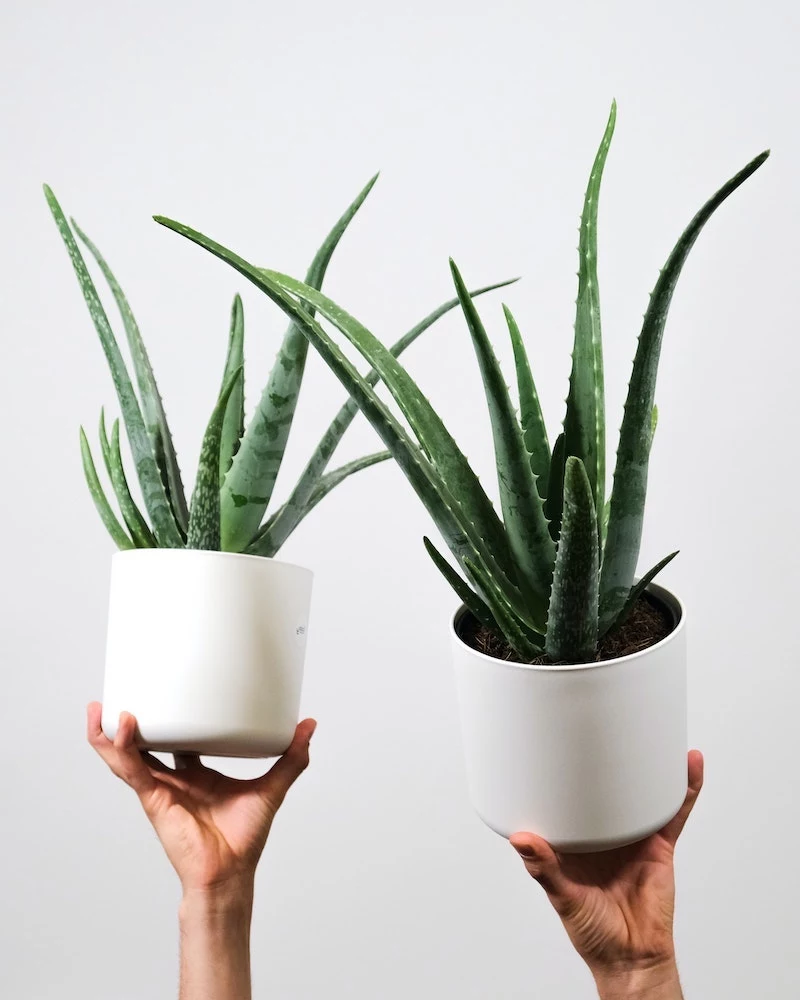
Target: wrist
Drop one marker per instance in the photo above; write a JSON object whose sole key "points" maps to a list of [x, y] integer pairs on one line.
{"points": [[229, 901], [657, 981]]}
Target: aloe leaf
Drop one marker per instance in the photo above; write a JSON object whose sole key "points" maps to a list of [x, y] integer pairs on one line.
{"points": [[153, 491], [233, 424], [653, 424], [475, 604], [461, 535], [138, 527], [555, 488], [153, 412], [607, 505], [523, 514], [572, 619], [630, 475], [534, 432], [433, 436], [636, 592], [290, 513], [204, 514], [521, 639], [248, 485], [113, 526], [271, 537], [585, 425]]}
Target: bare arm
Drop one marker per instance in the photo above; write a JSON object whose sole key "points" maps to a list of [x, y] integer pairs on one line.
{"points": [[618, 906], [213, 829]]}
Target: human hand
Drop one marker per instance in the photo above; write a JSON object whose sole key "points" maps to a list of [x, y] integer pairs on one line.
{"points": [[212, 827], [618, 906]]}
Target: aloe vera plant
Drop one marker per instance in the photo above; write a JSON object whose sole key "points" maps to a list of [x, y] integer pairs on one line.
{"points": [[238, 465], [556, 574]]}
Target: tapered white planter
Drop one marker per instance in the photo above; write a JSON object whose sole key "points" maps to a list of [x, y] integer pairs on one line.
{"points": [[206, 649], [589, 757]]}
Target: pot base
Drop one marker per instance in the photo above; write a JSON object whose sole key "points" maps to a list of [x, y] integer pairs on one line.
{"points": [[593, 846]]}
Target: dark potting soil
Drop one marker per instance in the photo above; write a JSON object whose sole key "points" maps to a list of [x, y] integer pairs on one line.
{"points": [[648, 623]]}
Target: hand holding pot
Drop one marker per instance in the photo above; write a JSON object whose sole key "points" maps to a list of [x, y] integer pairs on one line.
{"points": [[213, 827], [617, 906]]}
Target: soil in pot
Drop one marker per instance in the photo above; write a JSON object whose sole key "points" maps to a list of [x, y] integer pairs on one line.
{"points": [[648, 623]]}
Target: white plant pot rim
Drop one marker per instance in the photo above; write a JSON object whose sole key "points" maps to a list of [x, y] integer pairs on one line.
{"points": [[674, 603], [128, 553]]}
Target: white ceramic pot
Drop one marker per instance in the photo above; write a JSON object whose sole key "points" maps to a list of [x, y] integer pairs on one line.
{"points": [[589, 757], [206, 649]]}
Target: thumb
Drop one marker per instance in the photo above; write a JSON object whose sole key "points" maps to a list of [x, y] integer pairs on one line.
{"points": [[541, 862], [282, 775]]}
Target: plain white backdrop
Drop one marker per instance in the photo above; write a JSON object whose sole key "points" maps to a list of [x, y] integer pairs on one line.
{"points": [[257, 123]]}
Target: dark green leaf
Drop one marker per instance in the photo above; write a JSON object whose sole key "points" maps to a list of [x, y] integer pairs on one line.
{"points": [[572, 618], [585, 424], [630, 475], [204, 511]]}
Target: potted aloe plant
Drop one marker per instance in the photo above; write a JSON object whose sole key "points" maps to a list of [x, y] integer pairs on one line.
{"points": [[206, 629], [571, 672]]}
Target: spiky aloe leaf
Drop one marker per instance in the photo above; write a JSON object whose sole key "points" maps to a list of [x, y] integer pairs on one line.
{"points": [[585, 424], [155, 417], [630, 475], [137, 526], [607, 505], [459, 532], [153, 491], [249, 484], [522, 640], [636, 592], [572, 618], [475, 604], [288, 517], [233, 424], [433, 436], [204, 510], [523, 515], [534, 432], [555, 488], [113, 526], [270, 538]]}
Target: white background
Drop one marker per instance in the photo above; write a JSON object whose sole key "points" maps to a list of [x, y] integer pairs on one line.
{"points": [[257, 123]]}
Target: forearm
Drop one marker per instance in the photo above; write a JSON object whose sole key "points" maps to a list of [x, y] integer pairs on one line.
{"points": [[658, 983], [215, 943]]}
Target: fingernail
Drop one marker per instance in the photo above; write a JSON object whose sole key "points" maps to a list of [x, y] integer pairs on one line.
{"points": [[525, 852]]}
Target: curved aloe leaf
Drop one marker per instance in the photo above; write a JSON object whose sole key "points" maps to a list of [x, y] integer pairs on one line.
{"points": [[523, 515], [204, 510], [248, 486], [153, 491], [585, 423], [286, 519], [636, 592], [572, 618], [459, 532], [521, 639], [137, 526], [475, 604], [155, 417], [630, 475], [113, 526], [534, 432], [433, 436], [233, 424], [272, 536], [555, 488]]}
